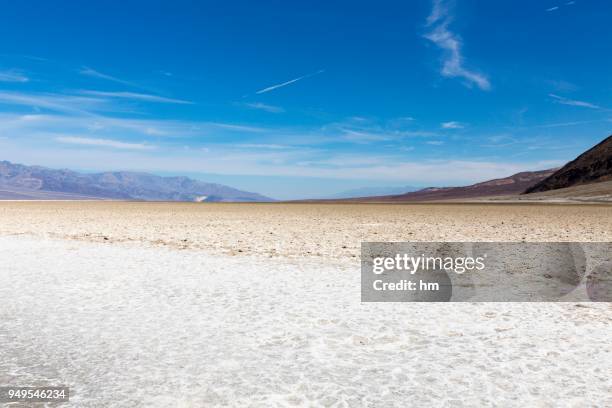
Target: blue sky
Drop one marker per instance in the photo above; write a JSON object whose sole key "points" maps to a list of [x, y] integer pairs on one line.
{"points": [[300, 99]]}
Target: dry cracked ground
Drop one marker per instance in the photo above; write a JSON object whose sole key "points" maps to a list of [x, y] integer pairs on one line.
{"points": [[331, 231]]}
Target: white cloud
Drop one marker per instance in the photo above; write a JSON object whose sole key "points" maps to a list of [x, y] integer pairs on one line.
{"points": [[262, 146], [115, 144], [562, 86], [112, 127], [275, 162], [54, 140], [13, 76], [439, 11], [56, 102], [97, 74], [47, 144], [359, 136], [572, 102], [452, 125], [453, 65], [435, 142], [563, 124], [265, 107], [363, 130], [291, 81], [419, 133], [552, 9], [134, 96], [239, 128], [86, 103]]}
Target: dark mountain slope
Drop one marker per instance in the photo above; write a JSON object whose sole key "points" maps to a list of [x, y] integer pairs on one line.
{"points": [[592, 166]]}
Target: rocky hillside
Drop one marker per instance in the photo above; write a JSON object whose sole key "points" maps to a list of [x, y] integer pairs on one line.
{"points": [[594, 165]]}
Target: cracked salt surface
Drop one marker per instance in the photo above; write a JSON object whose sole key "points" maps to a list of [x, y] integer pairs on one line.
{"points": [[136, 326]]}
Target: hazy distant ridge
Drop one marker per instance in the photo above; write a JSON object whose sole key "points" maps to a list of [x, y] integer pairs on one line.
{"points": [[513, 184], [37, 182], [372, 191]]}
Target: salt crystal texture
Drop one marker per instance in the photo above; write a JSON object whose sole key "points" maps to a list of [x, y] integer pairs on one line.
{"points": [[137, 326]]}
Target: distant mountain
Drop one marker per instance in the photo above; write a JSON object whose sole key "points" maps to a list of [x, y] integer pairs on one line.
{"points": [[35, 182], [372, 191], [514, 184], [594, 165]]}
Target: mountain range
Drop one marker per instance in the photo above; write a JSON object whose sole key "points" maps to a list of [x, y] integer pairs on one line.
{"points": [[515, 184], [586, 178], [18, 181], [592, 166], [589, 176]]}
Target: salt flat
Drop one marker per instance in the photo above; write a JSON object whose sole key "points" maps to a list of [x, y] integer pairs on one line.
{"points": [[163, 305], [130, 325]]}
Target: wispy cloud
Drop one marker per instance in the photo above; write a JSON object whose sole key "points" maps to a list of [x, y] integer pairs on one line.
{"points": [[265, 107], [499, 141], [115, 144], [135, 96], [563, 124], [121, 143], [13, 76], [99, 126], [262, 146], [97, 74], [453, 65], [56, 102], [435, 142], [452, 125], [291, 81], [555, 8], [239, 128], [572, 102], [360, 136], [290, 162], [439, 11], [362, 130], [562, 86], [85, 103]]}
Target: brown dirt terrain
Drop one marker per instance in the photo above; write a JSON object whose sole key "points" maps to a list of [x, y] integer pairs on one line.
{"points": [[333, 231]]}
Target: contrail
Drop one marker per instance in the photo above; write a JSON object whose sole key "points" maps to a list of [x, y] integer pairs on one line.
{"points": [[273, 87]]}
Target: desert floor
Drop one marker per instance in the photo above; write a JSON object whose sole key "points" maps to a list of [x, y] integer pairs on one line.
{"points": [[159, 304], [327, 231]]}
